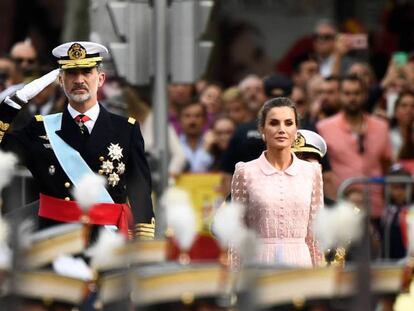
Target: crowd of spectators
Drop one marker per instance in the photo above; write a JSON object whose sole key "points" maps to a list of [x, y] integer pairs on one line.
{"points": [[367, 121]]}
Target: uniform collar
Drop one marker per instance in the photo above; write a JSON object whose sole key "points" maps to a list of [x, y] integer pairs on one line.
{"points": [[269, 169]]}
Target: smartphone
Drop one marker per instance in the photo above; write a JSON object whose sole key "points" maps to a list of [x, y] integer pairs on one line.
{"points": [[399, 58], [357, 41]]}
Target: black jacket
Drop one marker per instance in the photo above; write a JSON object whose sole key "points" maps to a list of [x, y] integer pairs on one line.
{"points": [[32, 146]]}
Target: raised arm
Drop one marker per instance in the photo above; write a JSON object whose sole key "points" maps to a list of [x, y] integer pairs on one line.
{"points": [[11, 105]]}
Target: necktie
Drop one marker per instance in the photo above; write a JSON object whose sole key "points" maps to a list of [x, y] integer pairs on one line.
{"points": [[80, 121]]}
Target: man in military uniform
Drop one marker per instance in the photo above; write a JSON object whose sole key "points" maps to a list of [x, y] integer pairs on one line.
{"points": [[62, 148]]}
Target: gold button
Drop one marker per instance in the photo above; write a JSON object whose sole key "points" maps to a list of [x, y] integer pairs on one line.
{"points": [[67, 199], [100, 172], [101, 158], [67, 184]]}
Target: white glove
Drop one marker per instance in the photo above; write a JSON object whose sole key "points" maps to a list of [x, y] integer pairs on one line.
{"points": [[33, 88]]}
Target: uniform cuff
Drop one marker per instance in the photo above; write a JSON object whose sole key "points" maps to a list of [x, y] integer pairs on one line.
{"points": [[145, 230]]}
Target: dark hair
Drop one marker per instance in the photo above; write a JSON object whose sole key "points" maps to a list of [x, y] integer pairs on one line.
{"points": [[216, 85], [302, 58], [401, 95], [196, 103], [332, 78], [276, 102], [407, 149], [394, 122], [353, 78]]}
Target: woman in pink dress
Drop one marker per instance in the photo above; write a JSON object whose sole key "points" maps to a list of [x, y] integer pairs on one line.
{"points": [[281, 193]]}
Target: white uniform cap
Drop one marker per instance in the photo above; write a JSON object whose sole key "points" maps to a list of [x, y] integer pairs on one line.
{"points": [[310, 141], [79, 54]]}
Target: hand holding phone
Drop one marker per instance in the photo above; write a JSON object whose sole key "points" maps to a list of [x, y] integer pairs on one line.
{"points": [[358, 41], [399, 58]]}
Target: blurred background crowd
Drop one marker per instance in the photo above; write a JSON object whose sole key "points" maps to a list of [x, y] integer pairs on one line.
{"points": [[330, 57]]}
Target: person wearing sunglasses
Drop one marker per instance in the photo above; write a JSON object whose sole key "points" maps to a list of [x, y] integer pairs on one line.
{"points": [[330, 49], [359, 143], [62, 149], [24, 55]]}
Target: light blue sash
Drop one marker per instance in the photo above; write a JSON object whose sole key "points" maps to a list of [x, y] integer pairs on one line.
{"points": [[70, 160]]}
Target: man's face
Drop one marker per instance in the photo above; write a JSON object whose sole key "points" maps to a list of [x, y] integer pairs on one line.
{"points": [[298, 96], [25, 57], [307, 70], [192, 120], [180, 93], [6, 72], [81, 84], [237, 111], [352, 97], [210, 97], [253, 94], [324, 42], [329, 97]]}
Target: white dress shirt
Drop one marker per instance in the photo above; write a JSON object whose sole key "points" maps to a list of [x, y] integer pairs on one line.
{"points": [[92, 113]]}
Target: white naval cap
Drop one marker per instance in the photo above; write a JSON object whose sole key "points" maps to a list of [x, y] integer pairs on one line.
{"points": [[79, 54], [310, 141]]}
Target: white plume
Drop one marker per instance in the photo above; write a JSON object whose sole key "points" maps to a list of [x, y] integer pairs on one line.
{"points": [[410, 223], [175, 196], [25, 232], [87, 192], [246, 244], [228, 224], [5, 257], [5, 252], [180, 216], [4, 232], [72, 267], [8, 163], [100, 252], [338, 226]]}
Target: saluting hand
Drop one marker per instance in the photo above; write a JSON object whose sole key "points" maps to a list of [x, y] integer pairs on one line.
{"points": [[33, 88]]}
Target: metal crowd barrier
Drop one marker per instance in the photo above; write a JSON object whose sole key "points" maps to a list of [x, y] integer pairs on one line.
{"points": [[363, 299]]}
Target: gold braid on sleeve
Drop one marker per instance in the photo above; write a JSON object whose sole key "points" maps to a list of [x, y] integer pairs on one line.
{"points": [[145, 231]]}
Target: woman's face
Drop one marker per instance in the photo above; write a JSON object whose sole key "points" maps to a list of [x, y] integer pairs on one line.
{"points": [[279, 128], [223, 130], [404, 112], [211, 99]]}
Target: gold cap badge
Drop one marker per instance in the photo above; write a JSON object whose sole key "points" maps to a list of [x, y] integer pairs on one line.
{"points": [[76, 51]]}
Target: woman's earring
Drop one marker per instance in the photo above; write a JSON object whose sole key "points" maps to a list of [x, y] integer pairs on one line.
{"points": [[263, 137]]}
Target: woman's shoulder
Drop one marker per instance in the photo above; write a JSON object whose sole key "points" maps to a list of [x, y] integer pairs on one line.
{"points": [[251, 163], [243, 166]]}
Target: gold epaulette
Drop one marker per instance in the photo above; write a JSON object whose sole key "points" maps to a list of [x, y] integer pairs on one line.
{"points": [[3, 128], [131, 120], [145, 230], [39, 118], [339, 259]]}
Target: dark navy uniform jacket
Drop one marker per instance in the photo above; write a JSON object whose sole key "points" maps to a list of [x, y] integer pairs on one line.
{"points": [[33, 148]]}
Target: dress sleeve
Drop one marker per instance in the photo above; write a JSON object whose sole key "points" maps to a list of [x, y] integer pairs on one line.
{"points": [[316, 204], [238, 185], [238, 194]]}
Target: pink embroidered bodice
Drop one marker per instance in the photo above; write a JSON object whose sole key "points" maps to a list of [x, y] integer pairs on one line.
{"points": [[280, 207]]}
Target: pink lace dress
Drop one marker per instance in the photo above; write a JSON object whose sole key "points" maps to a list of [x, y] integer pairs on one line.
{"points": [[280, 207]]}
